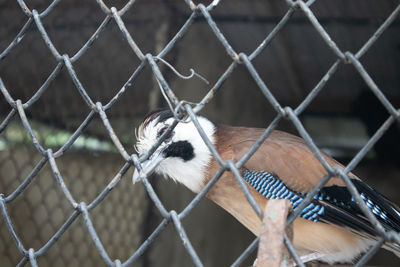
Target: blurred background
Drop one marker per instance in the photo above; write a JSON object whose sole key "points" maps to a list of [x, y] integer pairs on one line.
{"points": [[340, 119]]}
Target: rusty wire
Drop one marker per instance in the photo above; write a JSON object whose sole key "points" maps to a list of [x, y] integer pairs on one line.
{"points": [[182, 109]]}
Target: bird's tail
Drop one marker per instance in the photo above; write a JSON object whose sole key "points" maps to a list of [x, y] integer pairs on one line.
{"points": [[392, 247]]}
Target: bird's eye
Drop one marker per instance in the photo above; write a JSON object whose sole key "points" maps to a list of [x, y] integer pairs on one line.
{"points": [[162, 130]]}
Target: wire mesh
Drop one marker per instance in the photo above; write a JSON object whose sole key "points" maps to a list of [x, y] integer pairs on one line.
{"points": [[40, 211], [181, 109]]}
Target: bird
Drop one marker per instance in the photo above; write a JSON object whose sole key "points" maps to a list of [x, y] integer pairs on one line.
{"points": [[332, 226]]}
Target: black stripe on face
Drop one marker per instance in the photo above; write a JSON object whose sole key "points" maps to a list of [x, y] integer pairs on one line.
{"points": [[180, 149]]}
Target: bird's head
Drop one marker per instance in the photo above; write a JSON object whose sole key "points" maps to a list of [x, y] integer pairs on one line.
{"points": [[182, 156]]}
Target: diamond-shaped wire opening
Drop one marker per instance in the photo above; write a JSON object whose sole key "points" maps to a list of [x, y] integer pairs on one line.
{"points": [[37, 107], [195, 88], [71, 28], [105, 49], [28, 59]]}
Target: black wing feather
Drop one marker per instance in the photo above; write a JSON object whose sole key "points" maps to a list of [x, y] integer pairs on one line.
{"points": [[392, 221], [343, 209], [340, 217], [333, 204]]}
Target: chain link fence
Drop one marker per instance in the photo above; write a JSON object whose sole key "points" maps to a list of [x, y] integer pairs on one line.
{"points": [[40, 211], [83, 205]]}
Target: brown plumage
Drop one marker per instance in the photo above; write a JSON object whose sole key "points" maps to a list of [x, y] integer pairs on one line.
{"points": [[300, 170]]}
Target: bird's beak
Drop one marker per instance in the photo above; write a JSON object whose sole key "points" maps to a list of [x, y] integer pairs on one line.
{"points": [[148, 166]]}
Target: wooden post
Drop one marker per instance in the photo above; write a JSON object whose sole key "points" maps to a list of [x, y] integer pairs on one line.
{"points": [[271, 247]]}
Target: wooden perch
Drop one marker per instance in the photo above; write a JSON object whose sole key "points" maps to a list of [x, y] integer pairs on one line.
{"points": [[271, 247]]}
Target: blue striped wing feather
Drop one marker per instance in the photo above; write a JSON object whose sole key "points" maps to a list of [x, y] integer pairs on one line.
{"points": [[333, 204]]}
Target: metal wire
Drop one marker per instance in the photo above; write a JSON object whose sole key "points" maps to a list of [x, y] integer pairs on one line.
{"points": [[181, 110]]}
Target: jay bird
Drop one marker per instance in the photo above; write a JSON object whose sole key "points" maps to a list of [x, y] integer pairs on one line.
{"points": [[332, 225]]}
